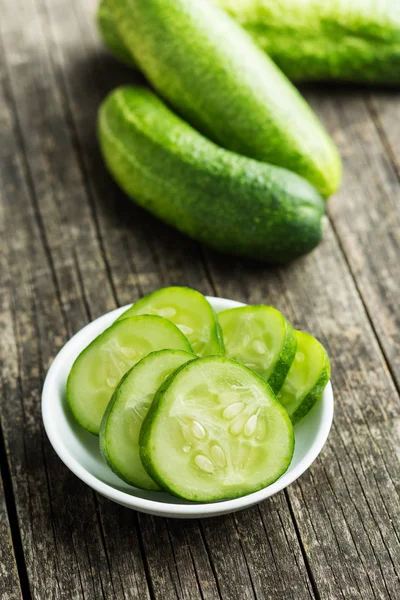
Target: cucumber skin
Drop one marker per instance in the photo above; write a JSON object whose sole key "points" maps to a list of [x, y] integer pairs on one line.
{"points": [[315, 394], [320, 40], [110, 34], [103, 428], [145, 434], [282, 366], [217, 330], [102, 433], [232, 203], [210, 70], [315, 40]]}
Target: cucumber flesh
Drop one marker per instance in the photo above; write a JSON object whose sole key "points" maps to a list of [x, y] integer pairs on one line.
{"points": [[100, 366], [120, 427], [262, 339], [191, 313], [307, 377], [215, 430]]}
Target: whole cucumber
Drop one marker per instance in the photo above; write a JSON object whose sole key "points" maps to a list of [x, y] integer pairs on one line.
{"points": [[344, 40], [210, 70], [310, 40], [232, 203]]}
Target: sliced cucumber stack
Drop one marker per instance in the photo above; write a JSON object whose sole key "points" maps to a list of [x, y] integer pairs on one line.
{"points": [[190, 311], [204, 428], [98, 369], [307, 377], [120, 427], [262, 339], [215, 430]]}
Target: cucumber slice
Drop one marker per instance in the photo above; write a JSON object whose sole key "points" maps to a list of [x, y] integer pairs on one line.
{"points": [[215, 430], [307, 377], [98, 369], [120, 427], [190, 311], [262, 339]]}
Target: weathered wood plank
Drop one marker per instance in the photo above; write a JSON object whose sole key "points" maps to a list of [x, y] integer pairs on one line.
{"points": [[366, 219], [347, 506], [384, 105], [385, 109], [365, 212], [177, 559], [9, 582], [268, 539], [61, 534]]}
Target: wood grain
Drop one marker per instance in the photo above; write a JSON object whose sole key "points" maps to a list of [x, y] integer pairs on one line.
{"points": [[365, 213], [9, 582], [58, 516]]}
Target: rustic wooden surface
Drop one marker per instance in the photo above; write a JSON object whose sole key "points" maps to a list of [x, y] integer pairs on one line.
{"points": [[72, 247]]}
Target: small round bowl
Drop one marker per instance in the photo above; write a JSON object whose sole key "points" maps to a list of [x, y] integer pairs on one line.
{"points": [[79, 450]]}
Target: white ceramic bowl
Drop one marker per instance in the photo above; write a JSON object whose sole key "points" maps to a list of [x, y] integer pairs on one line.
{"points": [[79, 450]]}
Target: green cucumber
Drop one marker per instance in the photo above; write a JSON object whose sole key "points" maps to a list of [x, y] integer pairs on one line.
{"points": [[307, 377], [110, 34], [210, 70], [355, 41], [99, 367], [230, 202], [215, 430], [190, 312], [120, 427], [262, 339], [310, 40]]}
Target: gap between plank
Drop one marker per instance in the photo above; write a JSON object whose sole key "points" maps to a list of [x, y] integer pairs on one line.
{"points": [[13, 520], [209, 556], [302, 549], [146, 567]]}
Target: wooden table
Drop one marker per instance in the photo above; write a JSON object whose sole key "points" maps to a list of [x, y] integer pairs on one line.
{"points": [[73, 247]]}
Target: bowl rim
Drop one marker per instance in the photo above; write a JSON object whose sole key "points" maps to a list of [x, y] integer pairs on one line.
{"points": [[155, 507]]}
